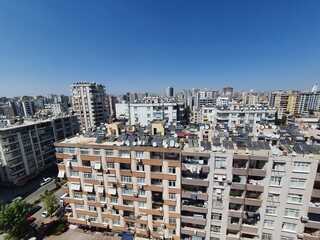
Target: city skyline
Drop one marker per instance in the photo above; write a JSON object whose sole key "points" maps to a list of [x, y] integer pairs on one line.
{"points": [[147, 46]]}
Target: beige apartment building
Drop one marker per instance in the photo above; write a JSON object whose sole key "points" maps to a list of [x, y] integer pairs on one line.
{"points": [[162, 187]]}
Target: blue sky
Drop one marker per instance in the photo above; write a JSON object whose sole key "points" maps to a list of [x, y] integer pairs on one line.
{"points": [[148, 45]]}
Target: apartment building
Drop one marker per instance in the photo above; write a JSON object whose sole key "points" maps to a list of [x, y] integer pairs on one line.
{"points": [[88, 101], [26, 148], [204, 186]]}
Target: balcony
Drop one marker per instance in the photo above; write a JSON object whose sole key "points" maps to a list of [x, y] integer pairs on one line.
{"points": [[249, 229], [194, 209], [192, 231], [197, 195], [233, 226], [315, 193], [195, 182], [194, 220]]}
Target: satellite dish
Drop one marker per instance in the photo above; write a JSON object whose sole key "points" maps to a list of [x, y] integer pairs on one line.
{"points": [[165, 145], [206, 127], [218, 149], [294, 154], [223, 149], [202, 149], [154, 144], [139, 142], [314, 126], [126, 142], [134, 143], [274, 127], [213, 148], [171, 143], [177, 145], [175, 135], [201, 127]]}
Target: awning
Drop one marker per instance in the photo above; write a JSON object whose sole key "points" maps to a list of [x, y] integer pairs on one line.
{"points": [[127, 236], [100, 189], [97, 166], [88, 188], [75, 186], [61, 173], [112, 191]]}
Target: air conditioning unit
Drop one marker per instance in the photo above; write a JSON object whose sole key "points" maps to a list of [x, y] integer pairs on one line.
{"points": [[300, 236], [304, 219], [224, 177], [139, 160], [229, 182], [107, 170], [135, 194], [100, 182], [140, 187]]}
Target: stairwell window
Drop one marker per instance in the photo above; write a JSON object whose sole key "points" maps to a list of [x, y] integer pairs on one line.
{"points": [[142, 205], [279, 166], [275, 181], [220, 162], [289, 226], [294, 198], [171, 170], [266, 236], [87, 175], [172, 183], [274, 197], [290, 212], [271, 210], [141, 180], [268, 223], [172, 196], [126, 179]]}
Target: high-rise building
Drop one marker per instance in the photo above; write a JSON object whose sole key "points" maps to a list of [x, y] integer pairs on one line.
{"points": [[209, 187], [26, 147], [169, 91], [88, 100], [206, 97]]}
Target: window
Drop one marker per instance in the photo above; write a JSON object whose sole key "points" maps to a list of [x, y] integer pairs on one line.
{"points": [[81, 216], [91, 198], [114, 211], [127, 191], [289, 226], [140, 168], [216, 216], [113, 200], [96, 152], [172, 170], [139, 154], [78, 195], [290, 212], [157, 182], [172, 196], [297, 182], [99, 176], [87, 175], [294, 198], [142, 205], [112, 178], [172, 208], [156, 169], [279, 166], [110, 165], [74, 174], [115, 222], [109, 153], [172, 221], [271, 210], [141, 180], [301, 166], [92, 208], [142, 193], [148, 115], [274, 197], [275, 181], [79, 206], [126, 179], [84, 151], [220, 162], [124, 153], [172, 183], [102, 199], [268, 223], [266, 236], [216, 229], [172, 232]]}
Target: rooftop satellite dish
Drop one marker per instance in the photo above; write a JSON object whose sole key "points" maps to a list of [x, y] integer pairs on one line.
{"points": [[314, 126], [202, 149], [134, 144], [218, 149], [213, 148], [294, 154], [177, 145], [274, 127], [223, 150], [175, 135], [206, 127], [139, 142], [171, 143], [126, 142], [165, 145], [154, 144], [201, 127]]}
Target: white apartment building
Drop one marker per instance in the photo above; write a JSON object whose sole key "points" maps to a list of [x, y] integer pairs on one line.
{"points": [[88, 101]]}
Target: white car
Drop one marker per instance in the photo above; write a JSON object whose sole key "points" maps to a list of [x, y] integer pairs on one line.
{"points": [[45, 181], [45, 213]]}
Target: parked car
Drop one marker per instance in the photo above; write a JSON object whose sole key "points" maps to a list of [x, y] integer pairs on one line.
{"points": [[45, 213], [45, 181]]}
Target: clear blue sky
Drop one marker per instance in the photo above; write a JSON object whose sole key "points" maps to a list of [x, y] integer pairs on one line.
{"points": [[148, 45]]}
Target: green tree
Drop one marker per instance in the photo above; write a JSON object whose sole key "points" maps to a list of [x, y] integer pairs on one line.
{"points": [[13, 219], [49, 201]]}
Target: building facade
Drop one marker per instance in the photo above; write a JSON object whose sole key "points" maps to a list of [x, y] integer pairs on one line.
{"points": [[88, 101], [27, 148]]}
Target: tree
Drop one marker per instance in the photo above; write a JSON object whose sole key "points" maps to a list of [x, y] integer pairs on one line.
{"points": [[13, 219], [49, 201]]}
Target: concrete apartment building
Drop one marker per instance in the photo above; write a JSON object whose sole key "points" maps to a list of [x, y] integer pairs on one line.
{"points": [[203, 186], [26, 148], [88, 101], [146, 111]]}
